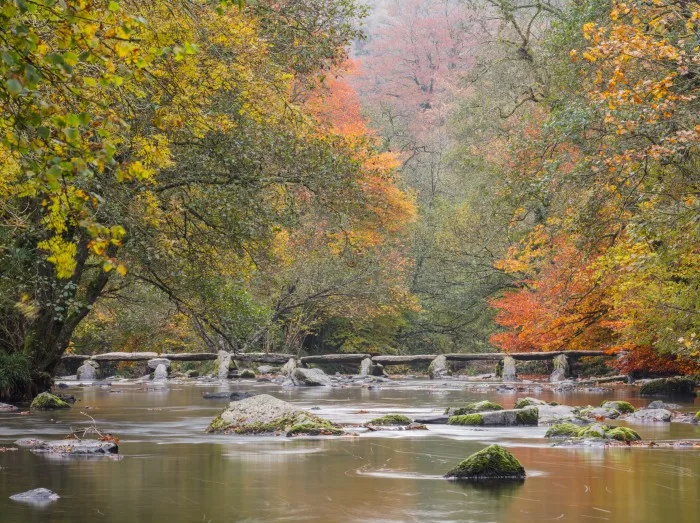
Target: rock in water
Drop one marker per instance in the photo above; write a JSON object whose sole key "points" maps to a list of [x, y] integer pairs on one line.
{"points": [[289, 367], [40, 497], [366, 367], [264, 414], [438, 368], [311, 378], [75, 447], [561, 368], [493, 462], [622, 407], [153, 363], [502, 418], [47, 401], [679, 385], [509, 369], [224, 364], [161, 373], [5, 407], [644, 415], [90, 371]]}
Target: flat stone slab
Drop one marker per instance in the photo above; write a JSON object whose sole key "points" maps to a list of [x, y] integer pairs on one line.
{"points": [[193, 356], [125, 356]]}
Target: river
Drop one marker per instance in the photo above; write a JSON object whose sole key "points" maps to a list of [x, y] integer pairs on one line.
{"points": [[170, 471]]}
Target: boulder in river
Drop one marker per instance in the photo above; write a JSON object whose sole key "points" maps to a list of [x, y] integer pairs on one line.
{"points": [[247, 374], [391, 419], [521, 403], [47, 401], [70, 447], [622, 407], [225, 361], [561, 368], [289, 367], [492, 463], [658, 404], [6, 407], [311, 378], [438, 368], [600, 413], [595, 431], [264, 414], [161, 373], [39, 497], [643, 415], [471, 408], [232, 396], [88, 371], [499, 418], [676, 386]]}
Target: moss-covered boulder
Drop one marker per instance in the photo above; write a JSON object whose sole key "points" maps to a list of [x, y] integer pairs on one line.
{"points": [[492, 463], [264, 414], [563, 430], [246, 374], [623, 434], [47, 401], [595, 430], [391, 419], [471, 408], [498, 418], [676, 386], [622, 407], [696, 418], [522, 403]]}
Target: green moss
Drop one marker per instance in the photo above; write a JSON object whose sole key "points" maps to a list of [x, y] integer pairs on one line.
{"points": [[466, 419], [668, 387], [295, 423], [493, 462], [391, 419], [697, 417], [622, 407], [563, 430], [527, 416], [476, 406], [623, 434], [47, 401]]}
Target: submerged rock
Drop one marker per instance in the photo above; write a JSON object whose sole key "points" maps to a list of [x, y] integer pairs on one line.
{"points": [[493, 462], [264, 414], [233, 396], [40, 497], [70, 447], [503, 418], [650, 415], [310, 378], [679, 385], [47, 401]]}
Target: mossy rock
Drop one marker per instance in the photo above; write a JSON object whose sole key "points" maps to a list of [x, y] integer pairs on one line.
{"points": [[391, 419], [532, 402], [696, 419], [622, 407], [47, 401], [623, 434], [563, 430], [476, 406], [466, 419], [678, 385], [493, 462], [247, 373], [596, 430], [264, 414], [528, 416]]}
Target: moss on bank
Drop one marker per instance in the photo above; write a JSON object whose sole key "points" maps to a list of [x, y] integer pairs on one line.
{"points": [[391, 419], [493, 462]]}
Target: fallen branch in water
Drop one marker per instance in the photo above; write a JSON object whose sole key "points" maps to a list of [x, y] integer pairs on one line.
{"points": [[91, 429]]}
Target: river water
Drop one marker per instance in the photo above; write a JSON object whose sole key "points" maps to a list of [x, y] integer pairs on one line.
{"points": [[170, 471]]}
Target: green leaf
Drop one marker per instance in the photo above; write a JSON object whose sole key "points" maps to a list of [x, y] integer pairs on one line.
{"points": [[14, 87]]}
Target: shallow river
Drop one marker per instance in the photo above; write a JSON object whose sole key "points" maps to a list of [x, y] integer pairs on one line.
{"points": [[170, 471]]}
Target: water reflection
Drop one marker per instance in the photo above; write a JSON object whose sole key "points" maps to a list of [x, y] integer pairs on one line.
{"points": [[172, 472]]}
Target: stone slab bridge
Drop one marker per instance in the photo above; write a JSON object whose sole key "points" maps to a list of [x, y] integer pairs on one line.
{"points": [[437, 363]]}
